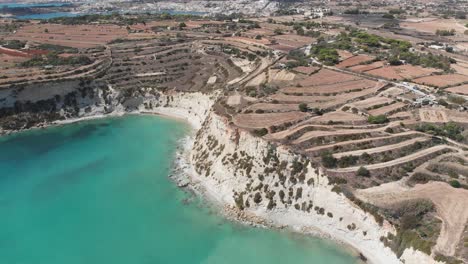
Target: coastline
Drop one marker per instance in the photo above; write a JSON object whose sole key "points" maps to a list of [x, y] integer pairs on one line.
{"points": [[185, 177], [195, 109]]}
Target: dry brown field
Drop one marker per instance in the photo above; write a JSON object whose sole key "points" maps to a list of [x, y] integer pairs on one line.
{"points": [[331, 88], [78, 36], [433, 115], [431, 25], [367, 67], [255, 121], [358, 59], [10, 61], [370, 102], [296, 99], [249, 41], [339, 116], [442, 80], [268, 107], [385, 73], [462, 89], [326, 76], [402, 72], [292, 40], [460, 67], [387, 109], [344, 54], [280, 76], [305, 70]]}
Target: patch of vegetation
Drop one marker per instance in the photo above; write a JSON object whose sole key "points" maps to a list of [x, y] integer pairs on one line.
{"points": [[303, 107], [57, 48], [426, 60], [379, 119], [355, 11], [328, 160], [447, 260], [456, 99], [260, 132], [363, 172], [455, 184], [422, 178], [122, 19], [399, 50], [388, 16], [417, 227], [326, 54], [298, 58], [444, 32], [450, 130], [54, 60], [347, 161], [13, 44]]}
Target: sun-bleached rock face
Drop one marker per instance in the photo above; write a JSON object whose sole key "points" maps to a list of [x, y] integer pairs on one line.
{"points": [[258, 181], [283, 189]]}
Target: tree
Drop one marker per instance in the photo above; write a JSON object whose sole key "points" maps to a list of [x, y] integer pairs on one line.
{"points": [[363, 172], [182, 25], [303, 107]]}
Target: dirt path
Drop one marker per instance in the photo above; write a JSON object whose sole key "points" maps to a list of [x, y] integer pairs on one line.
{"points": [[382, 148], [398, 161], [366, 140], [450, 204]]}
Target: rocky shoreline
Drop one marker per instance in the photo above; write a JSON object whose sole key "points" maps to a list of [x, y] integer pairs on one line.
{"points": [[201, 166]]}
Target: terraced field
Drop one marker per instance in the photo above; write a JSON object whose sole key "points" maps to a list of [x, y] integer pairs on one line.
{"points": [[337, 107]]}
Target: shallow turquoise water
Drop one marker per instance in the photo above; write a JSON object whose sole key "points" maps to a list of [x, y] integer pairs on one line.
{"points": [[46, 16], [97, 192]]}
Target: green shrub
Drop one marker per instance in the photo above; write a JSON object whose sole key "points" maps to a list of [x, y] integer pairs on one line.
{"points": [[455, 184], [363, 172], [347, 161], [260, 132], [379, 119], [328, 160], [303, 107], [388, 16]]}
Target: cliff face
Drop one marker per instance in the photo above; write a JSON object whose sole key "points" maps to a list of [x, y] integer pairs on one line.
{"points": [[259, 181], [269, 182]]}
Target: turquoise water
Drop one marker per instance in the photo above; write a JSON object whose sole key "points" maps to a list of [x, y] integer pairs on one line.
{"points": [[98, 192], [39, 5], [68, 14], [30, 5], [48, 15]]}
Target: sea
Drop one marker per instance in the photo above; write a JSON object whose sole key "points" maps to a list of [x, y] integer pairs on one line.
{"points": [[99, 192], [51, 15]]}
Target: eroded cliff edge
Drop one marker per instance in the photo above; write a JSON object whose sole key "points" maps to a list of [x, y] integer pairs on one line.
{"points": [[258, 181]]}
